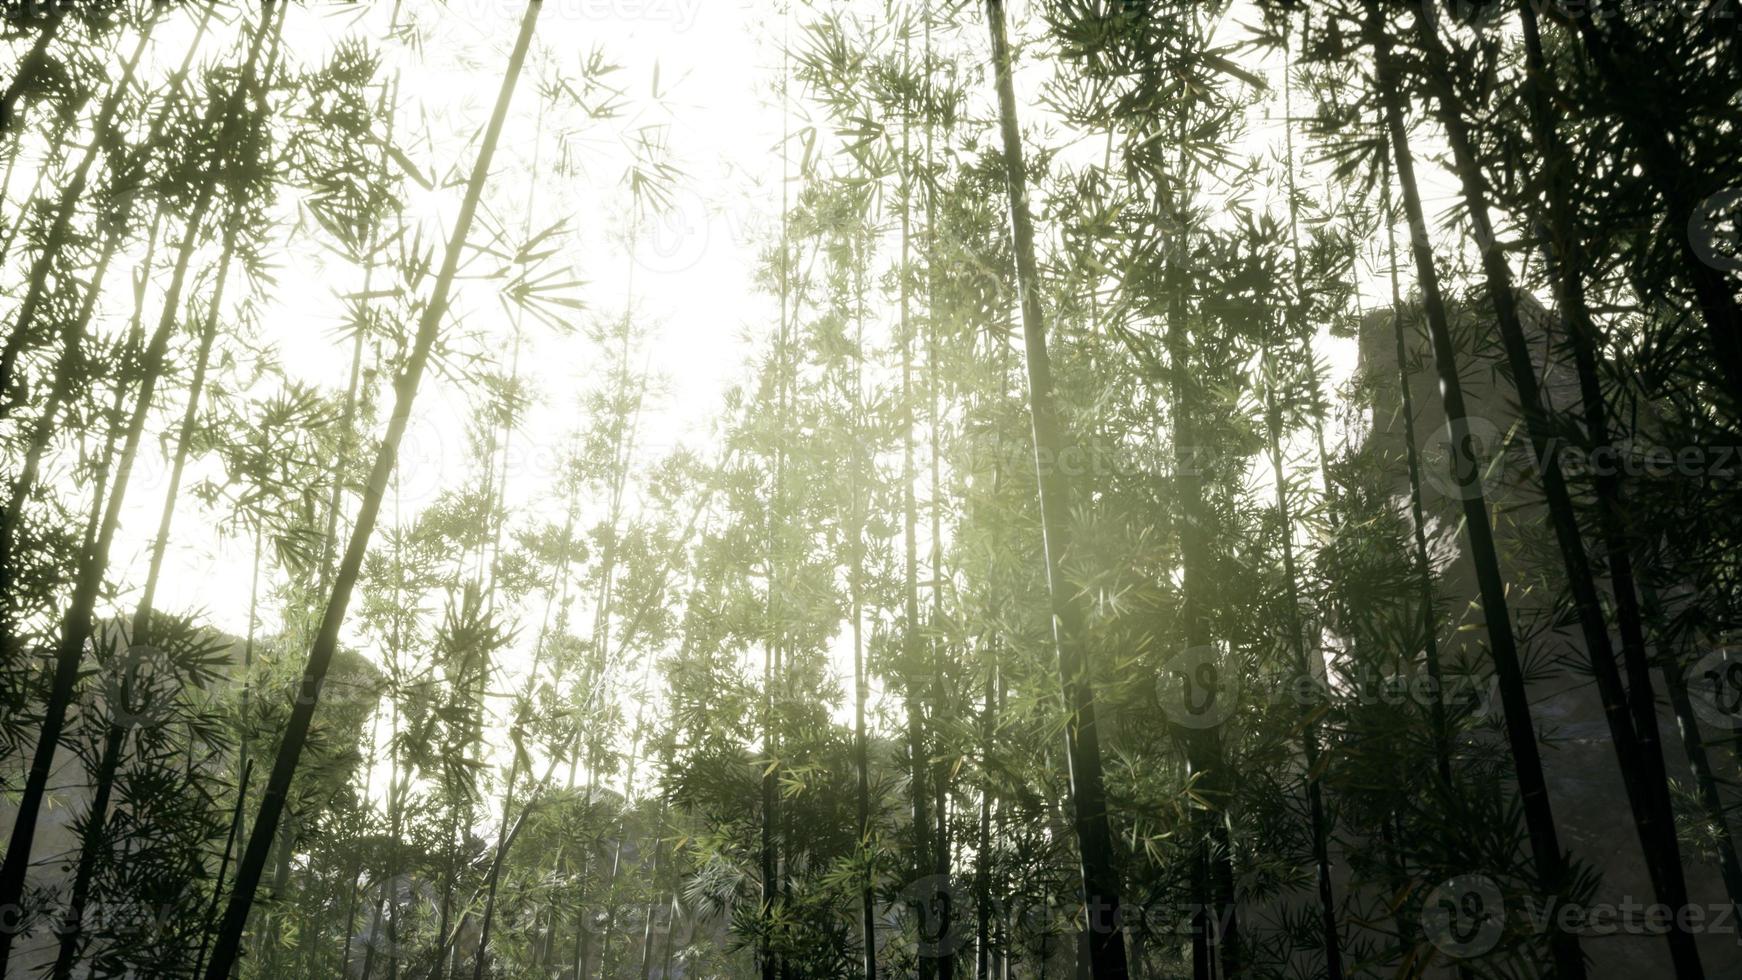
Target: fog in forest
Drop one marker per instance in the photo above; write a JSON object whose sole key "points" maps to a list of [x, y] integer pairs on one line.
{"points": [[940, 489]]}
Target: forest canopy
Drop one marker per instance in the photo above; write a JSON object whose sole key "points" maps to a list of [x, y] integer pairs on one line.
{"points": [[837, 488]]}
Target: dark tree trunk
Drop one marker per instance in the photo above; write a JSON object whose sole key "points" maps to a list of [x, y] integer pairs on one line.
{"points": [[42, 268], [1317, 821], [1549, 862], [32, 62], [260, 838], [1100, 877], [1663, 167], [78, 622], [910, 638], [1631, 710], [1424, 573], [1565, 260]]}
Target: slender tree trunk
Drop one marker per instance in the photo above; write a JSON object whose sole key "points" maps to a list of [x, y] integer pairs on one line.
{"points": [[1215, 933], [1631, 709], [1215, 922], [33, 61], [606, 960], [1418, 522], [1100, 877], [69, 363], [1565, 256], [326, 641], [94, 841], [584, 921], [1549, 862], [647, 924], [223, 866], [1317, 821], [503, 845], [1664, 169], [78, 622], [856, 588], [940, 775], [355, 890], [184, 439], [503, 838], [1699, 763], [492, 882], [910, 639], [983, 847], [42, 268], [74, 332], [66, 377], [670, 940]]}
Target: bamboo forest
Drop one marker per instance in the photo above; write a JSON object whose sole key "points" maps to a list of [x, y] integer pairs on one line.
{"points": [[940, 489]]}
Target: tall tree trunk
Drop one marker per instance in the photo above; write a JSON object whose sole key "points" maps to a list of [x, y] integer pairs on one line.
{"points": [[1424, 573], [1565, 255], [1100, 878], [224, 867], [584, 921], [1215, 931], [326, 641], [77, 625], [67, 366], [73, 335], [1548, 860], [185, 437], [504, 844], [770, 966], [1631, 709], [33, 61], [940, 774], [1664, 169], [1317, 822], [66, 377], [983, 846], [94, 840], [1699, 762], [856, 589], [653, 883], [42, 268], [914, 700]]}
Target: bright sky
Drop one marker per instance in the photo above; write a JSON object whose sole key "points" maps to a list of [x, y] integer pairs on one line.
{"points": [[689, 268]]}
